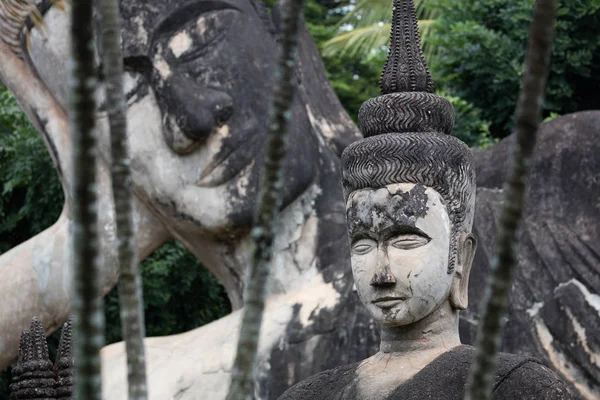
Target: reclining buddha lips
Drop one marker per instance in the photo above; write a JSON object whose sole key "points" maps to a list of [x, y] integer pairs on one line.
{"points": [[388, 301], [228, 163]]}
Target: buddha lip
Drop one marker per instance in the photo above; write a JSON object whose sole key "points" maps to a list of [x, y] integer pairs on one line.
{"points": [[220, 170], [388, 298]]}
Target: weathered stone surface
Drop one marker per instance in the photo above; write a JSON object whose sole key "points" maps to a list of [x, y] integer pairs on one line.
{"points": [[554, 311], [314, 320]]}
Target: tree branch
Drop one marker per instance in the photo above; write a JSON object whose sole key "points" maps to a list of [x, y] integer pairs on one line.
{"points": [[87, 302], [269, 202], [130, 283], [528, 116]]}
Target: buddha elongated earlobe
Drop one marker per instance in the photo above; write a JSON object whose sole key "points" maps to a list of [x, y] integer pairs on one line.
{"points": [[459, 293]]}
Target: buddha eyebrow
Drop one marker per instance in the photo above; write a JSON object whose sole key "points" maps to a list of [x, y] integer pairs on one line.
{"points": [[387, 233], [362, 234], [392, 231], [176, 19]]}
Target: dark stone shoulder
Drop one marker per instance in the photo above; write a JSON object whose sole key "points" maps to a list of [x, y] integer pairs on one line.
{"points": [[517, 377], [532, 381], [333, 384]]}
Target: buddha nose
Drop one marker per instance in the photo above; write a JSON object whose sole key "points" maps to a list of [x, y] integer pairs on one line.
{"points": [[383, 276], [197, 110]]}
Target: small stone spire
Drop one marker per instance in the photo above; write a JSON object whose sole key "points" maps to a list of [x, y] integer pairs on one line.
{"points": [[63, 366], [405, 69], [34, 378], [23, 350]]}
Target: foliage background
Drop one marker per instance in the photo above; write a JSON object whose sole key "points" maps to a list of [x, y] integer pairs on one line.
{"points": [[478, 50]]}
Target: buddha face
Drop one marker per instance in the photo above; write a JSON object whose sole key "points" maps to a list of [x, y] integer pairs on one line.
{"points": [[198, 83], [400, 242]]}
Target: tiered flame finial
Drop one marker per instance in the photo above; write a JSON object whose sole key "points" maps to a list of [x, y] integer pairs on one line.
{"points": [[405, 69], [34, 377]]}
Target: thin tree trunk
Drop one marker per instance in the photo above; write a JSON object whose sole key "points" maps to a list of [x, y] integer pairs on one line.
{"points": [[130, 285], [269, 202], [87, 302], [528, 115]]}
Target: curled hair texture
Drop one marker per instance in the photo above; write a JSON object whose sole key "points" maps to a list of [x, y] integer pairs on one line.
{"points": [[439, 161], [406, 112]]}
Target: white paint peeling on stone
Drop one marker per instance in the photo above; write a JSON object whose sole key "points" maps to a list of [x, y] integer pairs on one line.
{"points": [[316, 296], [592, 299], [535, 309], [325, 127], [180, 43], [214, 143], [201, 26], [244, 180], [581, 334], [141, 33], [162, 67], [200, 361], [294, 262], [561, 363]]}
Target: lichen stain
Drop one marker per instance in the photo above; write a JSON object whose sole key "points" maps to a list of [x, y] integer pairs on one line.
{"points": [[370, 209]]}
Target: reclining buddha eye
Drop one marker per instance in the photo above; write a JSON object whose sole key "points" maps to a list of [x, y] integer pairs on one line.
{"points": [[200, 34]]}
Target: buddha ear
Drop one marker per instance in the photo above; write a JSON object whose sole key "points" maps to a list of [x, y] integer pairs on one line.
{"points": [[459, 293]]}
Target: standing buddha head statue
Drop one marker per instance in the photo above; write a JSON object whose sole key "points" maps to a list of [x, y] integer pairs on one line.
{"points": [[410, 191]]}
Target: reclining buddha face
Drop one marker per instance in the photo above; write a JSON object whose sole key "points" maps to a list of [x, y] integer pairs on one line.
{"points": [[198, 83], [400, 240]]}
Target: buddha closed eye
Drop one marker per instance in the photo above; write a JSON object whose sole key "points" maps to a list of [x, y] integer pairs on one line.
{"points": [[403, 241]]}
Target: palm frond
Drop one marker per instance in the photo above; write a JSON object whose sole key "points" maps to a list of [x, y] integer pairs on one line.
{"points": [[369, 24], [361, 42]]}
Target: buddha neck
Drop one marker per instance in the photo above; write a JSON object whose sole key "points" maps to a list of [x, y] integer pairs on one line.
{"points": [[438, 333]]}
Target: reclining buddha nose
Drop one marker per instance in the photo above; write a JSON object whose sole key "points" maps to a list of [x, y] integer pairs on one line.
{"points": [[195, 110]]}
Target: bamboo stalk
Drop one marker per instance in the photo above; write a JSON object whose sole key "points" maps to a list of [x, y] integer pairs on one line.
{"points": [[528, 116], [130, 284], [269, 202], [87, 302]]}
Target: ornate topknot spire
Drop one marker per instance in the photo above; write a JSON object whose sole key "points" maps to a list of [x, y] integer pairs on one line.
{"points": [[407, 131], [405, 69]]}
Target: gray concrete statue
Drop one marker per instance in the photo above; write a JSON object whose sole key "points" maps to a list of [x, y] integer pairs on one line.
{"points": [[410, 199], [199, 78], [199, 74]]}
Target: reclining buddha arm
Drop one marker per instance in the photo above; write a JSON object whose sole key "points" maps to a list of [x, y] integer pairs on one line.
{"points": [[36, 278]]}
